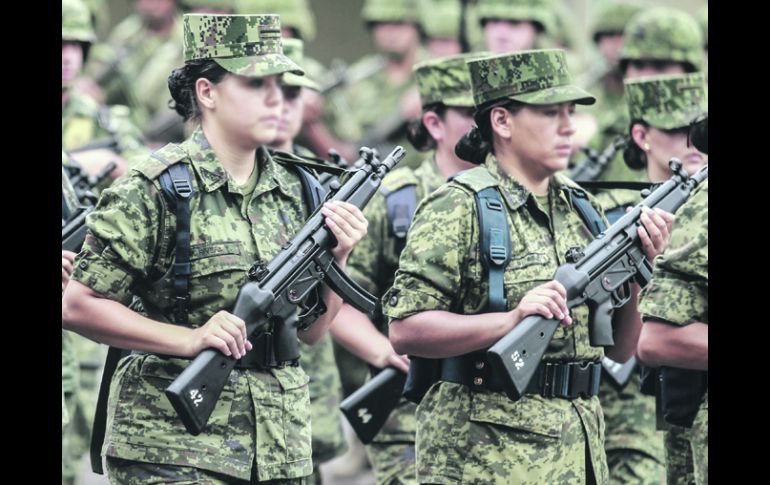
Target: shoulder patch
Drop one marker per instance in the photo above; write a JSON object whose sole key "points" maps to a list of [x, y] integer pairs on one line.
{"points": [[398, 178]]}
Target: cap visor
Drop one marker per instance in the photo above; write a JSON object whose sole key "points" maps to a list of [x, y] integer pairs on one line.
{"points": [[259, 66], [556, 94]]}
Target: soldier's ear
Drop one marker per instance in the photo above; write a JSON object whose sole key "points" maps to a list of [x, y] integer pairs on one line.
{"points": [[639, 135], [501, 121], [433, 124], [204, 92]]}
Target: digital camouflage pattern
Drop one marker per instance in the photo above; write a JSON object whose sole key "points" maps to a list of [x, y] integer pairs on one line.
{"points": [[445, 80], [261, 416], [247, 45], [390, 11], [133, 65], [612, 17], [668, 101], [634, 447], [679, 464], [440, 18], [484, 437], [678, 294], [293, 49], [663, 33], [533, 77], [84, 121], [372, 264], [702, 16], [295, 14], [137, 473], [538, 12], [76, 22]]}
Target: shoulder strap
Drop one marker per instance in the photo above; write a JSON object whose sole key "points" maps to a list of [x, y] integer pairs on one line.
{"points": [[400, 205], [177, 186], [313, 193], [495, 244], [586, 211]]}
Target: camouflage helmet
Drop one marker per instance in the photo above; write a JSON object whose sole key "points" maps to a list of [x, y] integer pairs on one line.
{"points": [[613, 17], [390, 11], [667, 101], [536, 11], [247, 45], [703, 20], [440, 18], [76, 22], [294, 50], [218, 4], [531, 77], [295, 14], [446, 80], [663, 33]]}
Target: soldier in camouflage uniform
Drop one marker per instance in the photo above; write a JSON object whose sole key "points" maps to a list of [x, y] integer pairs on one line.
{"points": [[514, 25], [661, 109], [658, 40], [245, 207], [131, 68], [317, 359], [83, 122], [446, 99], [675, 310], [376, 110], [440, 22], [468, 431]]}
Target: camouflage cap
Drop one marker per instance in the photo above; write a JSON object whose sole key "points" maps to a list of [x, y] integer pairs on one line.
{"points": [[668, 101], [293, 49], [663, 33], [440, 18], [446, 80], [247, 45], [532, 77], [76, 22], [295, 14], [390, 11], [537, 11], [613, 17]]}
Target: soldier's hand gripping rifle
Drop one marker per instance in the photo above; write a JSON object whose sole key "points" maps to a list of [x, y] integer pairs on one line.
{"points": [[594, 276], [594, 165], [280, 287]]}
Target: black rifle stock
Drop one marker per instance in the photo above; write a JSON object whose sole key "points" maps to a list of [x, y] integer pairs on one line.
{"points": [[594, 276], [280, 286], [369, 407], [594, 165]]}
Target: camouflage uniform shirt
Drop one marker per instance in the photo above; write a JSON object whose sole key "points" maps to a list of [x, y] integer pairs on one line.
{"points": [[465, 436], [261, 416], [373, 264]]}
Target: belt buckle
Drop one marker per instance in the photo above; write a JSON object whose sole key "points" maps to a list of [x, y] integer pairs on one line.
{"points": [[579, 380]]}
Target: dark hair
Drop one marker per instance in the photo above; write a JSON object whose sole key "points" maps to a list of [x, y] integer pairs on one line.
{"points": [[181, 84], [418, 135], [634, 156], [84, 45], [474, 145]]}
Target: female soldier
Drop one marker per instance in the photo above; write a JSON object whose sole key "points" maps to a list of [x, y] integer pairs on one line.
{"points": [[467, 429], [245, 207], [445, 92], [661, 109]]}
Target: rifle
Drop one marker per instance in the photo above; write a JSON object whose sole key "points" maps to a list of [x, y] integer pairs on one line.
{"points": [[594, 276], [278, 288], [369, 407], [594, 164], [73, 231]]}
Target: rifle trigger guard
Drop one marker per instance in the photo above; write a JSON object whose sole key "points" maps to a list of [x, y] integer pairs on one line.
{"points": [[618, 300]]}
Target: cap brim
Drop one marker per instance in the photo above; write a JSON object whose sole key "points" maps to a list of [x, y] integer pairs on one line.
{"points": [[291, 79], [670, 121], [259, 66], [556, 94]]}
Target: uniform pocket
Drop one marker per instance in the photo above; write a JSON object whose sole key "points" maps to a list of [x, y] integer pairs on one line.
{"points": [[295, 410], [532, 414]]}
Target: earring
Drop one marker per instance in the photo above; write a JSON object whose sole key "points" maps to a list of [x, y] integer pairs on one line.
{"points": [[646, 147]]}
